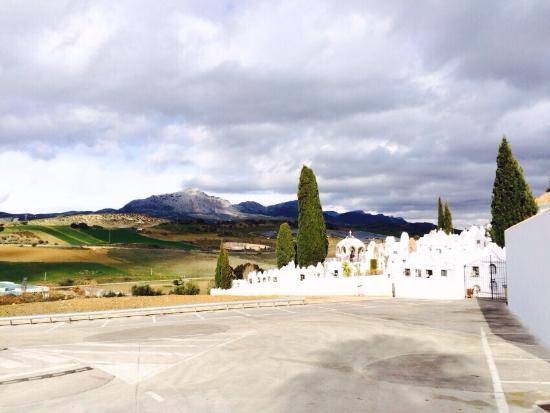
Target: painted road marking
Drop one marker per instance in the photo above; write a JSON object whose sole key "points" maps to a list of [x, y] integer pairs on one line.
{"points": [[154, 319], [105, 323], [241, 313], [57, 325], [155, 396], [524, 382], [10, 364], [500, 398], [199, 315], [285, 310]]}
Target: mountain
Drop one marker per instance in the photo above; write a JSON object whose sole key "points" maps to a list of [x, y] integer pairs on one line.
{"points": [[285, 210], [378, 223], [193, 203], [189, 203]]}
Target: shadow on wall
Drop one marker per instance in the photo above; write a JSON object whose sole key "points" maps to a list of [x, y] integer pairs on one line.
{"points": [[507, 327], [377, 375]]}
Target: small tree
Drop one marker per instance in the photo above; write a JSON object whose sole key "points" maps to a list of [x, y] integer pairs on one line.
{"points": [[312, 241], [224, 273], [512, 200], [285, 245], [440, 218], [447, 219], [373, 265]]}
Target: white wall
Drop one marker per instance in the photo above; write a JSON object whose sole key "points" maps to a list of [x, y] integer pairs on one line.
{"points": [[371, 285], [528, 267]]}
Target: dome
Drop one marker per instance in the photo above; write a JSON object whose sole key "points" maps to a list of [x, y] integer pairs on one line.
{"points": [[349, 248]]}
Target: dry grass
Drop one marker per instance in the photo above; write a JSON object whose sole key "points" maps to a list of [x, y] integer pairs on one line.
{"points": [[115, 303], [52, 254], [118, 220]]}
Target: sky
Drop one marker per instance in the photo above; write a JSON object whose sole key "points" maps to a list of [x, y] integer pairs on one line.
{"points": [[391, 103]]}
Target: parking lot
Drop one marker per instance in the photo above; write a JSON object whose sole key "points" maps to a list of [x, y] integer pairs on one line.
{"points": [[384, 355]]}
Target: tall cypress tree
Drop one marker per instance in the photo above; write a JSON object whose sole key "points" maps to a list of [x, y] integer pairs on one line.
{"points": [[512, 200], [447, 219], [439, 214], [285, 245], [224, 273], [312, 242]]}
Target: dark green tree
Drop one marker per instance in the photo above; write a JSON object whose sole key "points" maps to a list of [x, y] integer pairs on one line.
{"points": [[439, 214], [224, 273], [311, 241], [285, 245], [447, 219], [512, 200]]}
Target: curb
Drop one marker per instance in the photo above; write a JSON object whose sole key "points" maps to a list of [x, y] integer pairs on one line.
{"points": [[136, 312]]}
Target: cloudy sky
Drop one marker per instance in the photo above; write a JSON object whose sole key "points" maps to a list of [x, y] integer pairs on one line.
{"points": [[392, 105]]}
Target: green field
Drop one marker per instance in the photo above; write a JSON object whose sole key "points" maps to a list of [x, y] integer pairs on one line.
{"points": [[102, 236], [127, 236], [130, 264], [67, 234], [55, 272]]}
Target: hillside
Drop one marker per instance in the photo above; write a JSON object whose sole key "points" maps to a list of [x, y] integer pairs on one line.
{"points": [[110, 220], [189, 203]]}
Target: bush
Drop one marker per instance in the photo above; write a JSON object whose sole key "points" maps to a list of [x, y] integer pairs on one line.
{"points": [[66, 282], [211, 284], [80, 225], [142, 290], [188, 288], [111, 293]]}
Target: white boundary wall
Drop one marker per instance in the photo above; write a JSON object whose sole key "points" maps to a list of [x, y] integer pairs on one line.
{"points": [[367, 285], [528, 268]]}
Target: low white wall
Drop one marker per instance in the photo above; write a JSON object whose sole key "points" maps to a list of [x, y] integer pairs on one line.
{"points": [[371, 285], [436, 287], [528, 268]]}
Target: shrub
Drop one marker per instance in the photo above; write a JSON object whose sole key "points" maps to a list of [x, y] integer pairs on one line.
{"points": [[211, 284], [188, 288], [66, 282], [346, 269], [80, 225], [142, 290], [111, 293]]}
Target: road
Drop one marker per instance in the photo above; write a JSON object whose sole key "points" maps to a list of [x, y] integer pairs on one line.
{"points": [[386, 355]]}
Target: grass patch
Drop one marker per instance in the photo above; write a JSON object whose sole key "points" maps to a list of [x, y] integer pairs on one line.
{"points": [[67, 234], [127, 236], [56, 271]]}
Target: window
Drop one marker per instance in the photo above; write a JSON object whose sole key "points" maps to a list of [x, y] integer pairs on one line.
{"points": [[429, 273], [407, 272], [443, 273], [475, 271], [274, 279], [418, 273], [302, 277], [250, 280], [336, 273]]}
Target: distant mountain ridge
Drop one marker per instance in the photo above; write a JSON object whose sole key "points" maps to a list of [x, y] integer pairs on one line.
{"points": [[194, 204]]}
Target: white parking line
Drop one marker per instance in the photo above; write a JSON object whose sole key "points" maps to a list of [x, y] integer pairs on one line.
{"points": [[155, 396], [524, 382], [241, 313], [154, 319], [285, 310], [199, 315], [105, 323], [56, 325], [10, 364], [500, 398]]}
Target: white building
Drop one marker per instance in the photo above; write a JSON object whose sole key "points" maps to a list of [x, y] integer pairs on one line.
{"points": [[11, 288], [438, 265]]}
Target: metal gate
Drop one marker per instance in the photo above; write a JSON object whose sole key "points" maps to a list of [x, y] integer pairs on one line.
{"points": [[486, 279], [493, 281]]}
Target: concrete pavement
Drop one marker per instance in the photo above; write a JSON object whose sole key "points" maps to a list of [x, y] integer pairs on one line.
{"points": [[374, 355]]}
